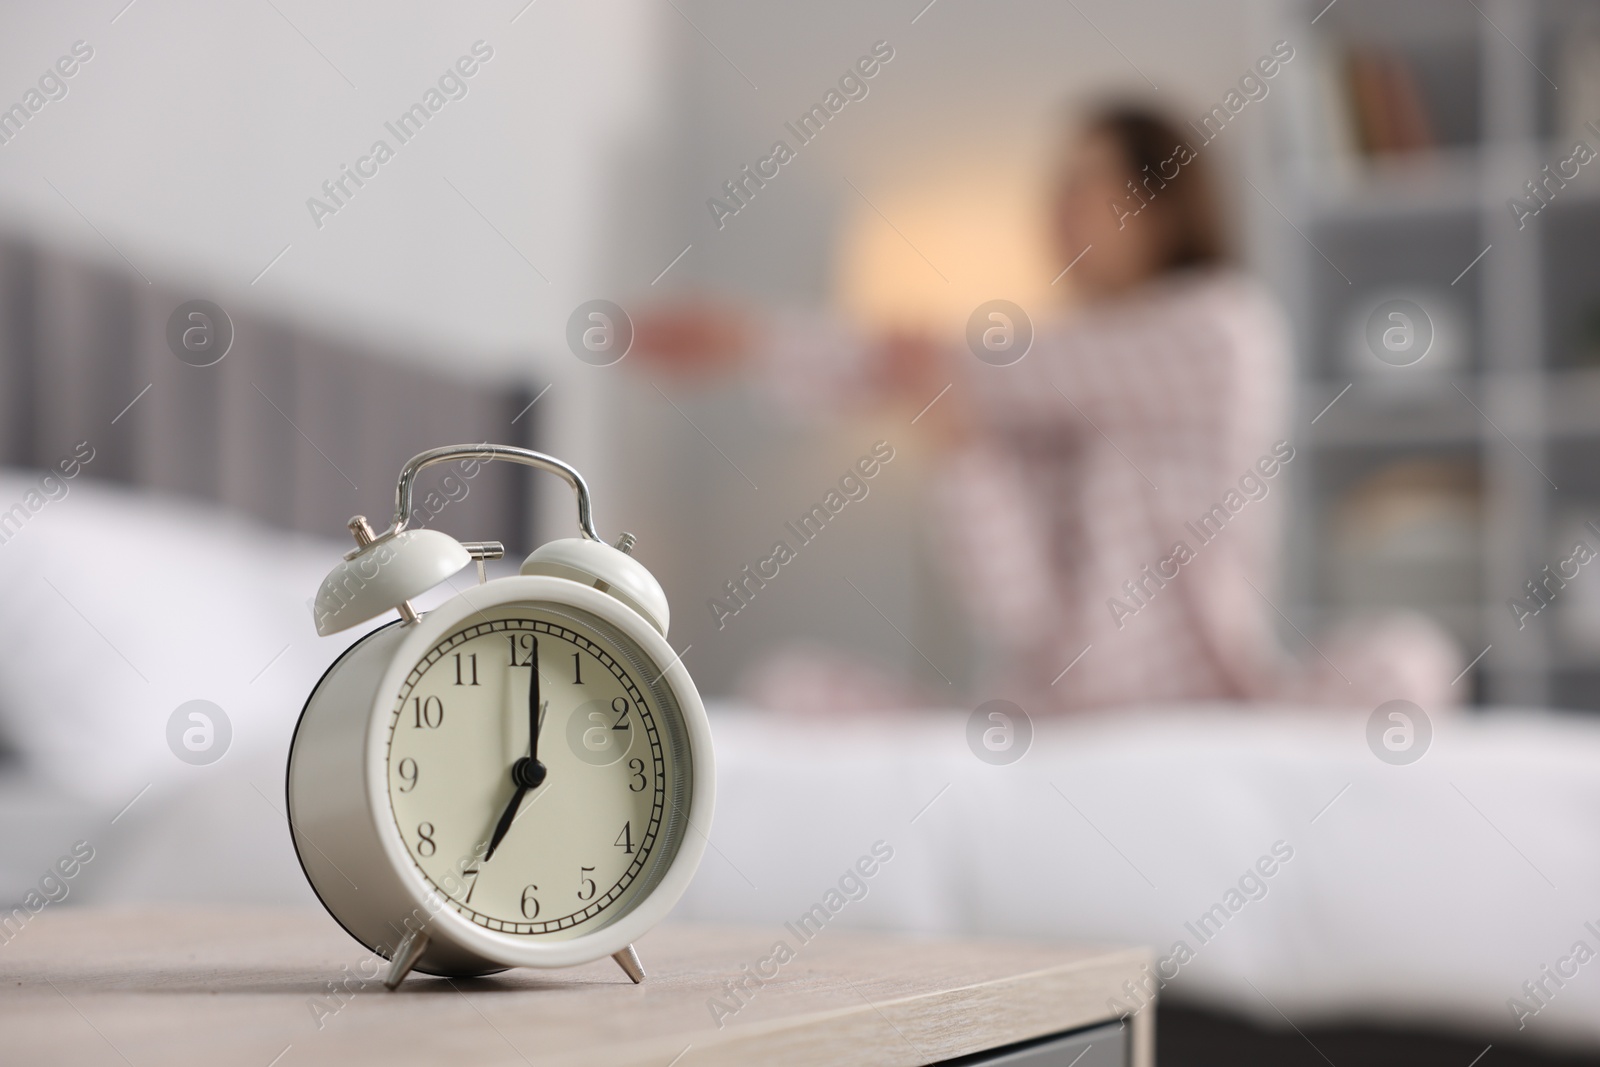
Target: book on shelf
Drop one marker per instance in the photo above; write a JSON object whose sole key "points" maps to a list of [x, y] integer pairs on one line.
{"points": [[1408, 533], [1366, 103], [1390, 114]]}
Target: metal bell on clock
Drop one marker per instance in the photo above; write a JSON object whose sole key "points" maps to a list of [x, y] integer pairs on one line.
{"points": [[383, 574], [609, 569]]}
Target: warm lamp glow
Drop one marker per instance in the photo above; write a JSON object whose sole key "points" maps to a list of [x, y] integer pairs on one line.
{"points": [[983, 229]]}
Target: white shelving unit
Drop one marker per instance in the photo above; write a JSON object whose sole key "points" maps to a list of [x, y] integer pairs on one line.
{"points": [[1514, 415]]}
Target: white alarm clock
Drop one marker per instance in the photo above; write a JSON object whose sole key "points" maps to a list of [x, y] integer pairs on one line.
{"points": [[521, 777]]}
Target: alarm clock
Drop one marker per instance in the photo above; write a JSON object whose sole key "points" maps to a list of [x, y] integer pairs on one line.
{"points": [[521, 777]]}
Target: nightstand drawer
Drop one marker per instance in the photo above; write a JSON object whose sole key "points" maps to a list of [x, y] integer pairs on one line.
{"points": [[1100, 1046]]}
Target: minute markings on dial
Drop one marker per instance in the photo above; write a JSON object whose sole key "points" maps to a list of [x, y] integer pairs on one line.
{"points": [[651, 823]]}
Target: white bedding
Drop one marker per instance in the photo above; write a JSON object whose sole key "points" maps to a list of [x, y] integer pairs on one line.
{"points": [[1428, 892], [1424, 893]]}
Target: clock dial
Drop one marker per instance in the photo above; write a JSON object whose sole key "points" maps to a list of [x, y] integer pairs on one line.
{"points": [[577, 774]]}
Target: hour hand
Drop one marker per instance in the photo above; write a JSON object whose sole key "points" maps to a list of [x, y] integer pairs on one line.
{"points": [[526, 774], [506, 819]]}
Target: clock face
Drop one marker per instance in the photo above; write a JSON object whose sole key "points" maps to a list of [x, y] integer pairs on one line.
{"points": [[550, 838]]}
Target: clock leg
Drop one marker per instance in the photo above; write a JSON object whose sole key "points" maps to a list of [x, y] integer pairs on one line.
{"points": [[405, 958], [628, 960]]}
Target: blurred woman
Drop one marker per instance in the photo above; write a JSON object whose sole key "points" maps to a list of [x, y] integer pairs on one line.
{"points": [[1109, 505]]}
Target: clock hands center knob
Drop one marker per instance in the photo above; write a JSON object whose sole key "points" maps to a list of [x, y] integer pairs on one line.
{"points": [[528, 773]]}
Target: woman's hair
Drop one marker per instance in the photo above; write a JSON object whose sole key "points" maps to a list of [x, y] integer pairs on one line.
{"points": [[1186, 201]]}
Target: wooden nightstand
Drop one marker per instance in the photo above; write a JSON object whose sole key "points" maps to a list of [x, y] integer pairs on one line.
{"points": [[287, 989]]}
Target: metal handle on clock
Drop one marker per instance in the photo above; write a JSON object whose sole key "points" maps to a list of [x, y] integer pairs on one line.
{"points": [[510, 453]]}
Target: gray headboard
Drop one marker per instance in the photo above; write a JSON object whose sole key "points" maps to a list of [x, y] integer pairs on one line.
{"points": [[294, 428]]}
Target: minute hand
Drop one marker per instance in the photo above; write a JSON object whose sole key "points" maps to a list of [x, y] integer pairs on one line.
{"points": [[533, 707]]}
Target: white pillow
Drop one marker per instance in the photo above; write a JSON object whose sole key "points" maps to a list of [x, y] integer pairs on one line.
{"points": [[117, 606]]}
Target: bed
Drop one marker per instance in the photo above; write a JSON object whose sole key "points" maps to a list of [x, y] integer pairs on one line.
{"points": [[1415, 896]]}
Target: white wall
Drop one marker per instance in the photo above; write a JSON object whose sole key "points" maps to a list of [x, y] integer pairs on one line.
{"points": [[195, 135]]}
